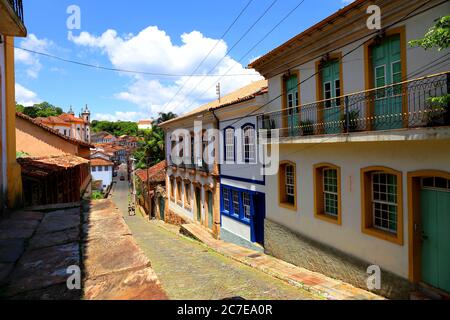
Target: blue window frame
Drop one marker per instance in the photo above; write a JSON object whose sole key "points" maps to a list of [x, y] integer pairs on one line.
{"points": [[237, 204]]}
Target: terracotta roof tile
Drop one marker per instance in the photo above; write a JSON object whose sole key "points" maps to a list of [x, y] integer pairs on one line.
{"points": [[157, 173], [101, 162]]}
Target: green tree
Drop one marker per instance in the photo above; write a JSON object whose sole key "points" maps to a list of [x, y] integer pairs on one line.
{"points": [[43, 109], [437, 36]]}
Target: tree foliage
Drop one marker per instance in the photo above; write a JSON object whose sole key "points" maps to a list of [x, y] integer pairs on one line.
{"points": [[151, 150], [43, 109], [117, 129], [437, 36]]}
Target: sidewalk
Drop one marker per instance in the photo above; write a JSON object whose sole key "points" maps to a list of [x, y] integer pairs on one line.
{"points": [[37, 248], [314, 282]]}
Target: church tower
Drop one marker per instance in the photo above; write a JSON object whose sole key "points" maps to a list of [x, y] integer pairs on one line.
{"points": [[86, 116]]}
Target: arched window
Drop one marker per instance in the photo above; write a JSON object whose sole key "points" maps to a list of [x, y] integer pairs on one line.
{"points": [[229, 144], [249, 143]]}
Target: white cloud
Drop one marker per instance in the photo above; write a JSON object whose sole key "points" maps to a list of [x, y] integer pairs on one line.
{"points": [[25, 96], [29, 59], [118, 116], [152, 50]]}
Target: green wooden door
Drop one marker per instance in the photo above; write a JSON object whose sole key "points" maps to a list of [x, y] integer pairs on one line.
{"points": [[162, 204], [435, 210], [292, 105], [387, 70], [331, 88], [198, 204], [210, 209]]}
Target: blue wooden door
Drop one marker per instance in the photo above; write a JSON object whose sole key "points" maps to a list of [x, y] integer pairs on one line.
{"points": [[292, 101], [162, 204], [387, 70], [331, 88], [435, 211], [258, 216]]}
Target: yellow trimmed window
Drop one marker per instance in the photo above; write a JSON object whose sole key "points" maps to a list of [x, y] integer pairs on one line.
{"points": [[327, 192], [382, 203], [287, 185]]}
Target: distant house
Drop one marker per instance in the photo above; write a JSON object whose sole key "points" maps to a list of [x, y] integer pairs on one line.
{"points": [[55, 168], [151, 190], [98, 137], [102, 170], [145, 124], [38, 140], [70, 125]]}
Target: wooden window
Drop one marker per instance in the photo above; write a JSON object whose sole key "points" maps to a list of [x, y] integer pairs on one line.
{"points": [[382, 203], [249, 143], [226, 199], [172, 189], [229, 144], [287, 179], [179, 191], [187, 195], [327, 192], [236, 204], [247, 205]]}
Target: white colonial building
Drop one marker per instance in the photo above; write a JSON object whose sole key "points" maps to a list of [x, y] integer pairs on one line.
{"points": [[364, 177]]}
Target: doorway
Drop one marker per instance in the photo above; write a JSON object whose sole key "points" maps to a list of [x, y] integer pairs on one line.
{"points": [[429, 197]]}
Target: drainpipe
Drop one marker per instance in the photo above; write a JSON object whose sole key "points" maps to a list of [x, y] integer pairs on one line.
{"points": [[216, 178]]}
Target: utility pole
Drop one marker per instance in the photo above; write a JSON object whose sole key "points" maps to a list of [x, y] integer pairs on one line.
{"points": [[218, 91]]}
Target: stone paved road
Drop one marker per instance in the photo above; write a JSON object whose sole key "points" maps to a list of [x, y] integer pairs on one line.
{"points": [[188, 270]]}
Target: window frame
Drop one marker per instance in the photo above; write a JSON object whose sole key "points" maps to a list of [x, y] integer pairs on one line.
{"points": [[319, 193], [233, 205], [187, 195], [367, 212], [282, 202], [251, 146], [227, 144]]}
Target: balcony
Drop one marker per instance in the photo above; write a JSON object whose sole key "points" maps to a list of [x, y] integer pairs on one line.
{"points": [[12, 18], [406, 104]]}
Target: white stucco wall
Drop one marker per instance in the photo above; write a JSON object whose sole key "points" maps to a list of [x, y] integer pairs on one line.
{"points": [[105, 176], [353, 63], [403, 156], [236, 227]]}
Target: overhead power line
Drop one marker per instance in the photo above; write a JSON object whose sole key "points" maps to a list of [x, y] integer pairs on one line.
{"points": [[209, 53], [235, 44], [156, 74]]}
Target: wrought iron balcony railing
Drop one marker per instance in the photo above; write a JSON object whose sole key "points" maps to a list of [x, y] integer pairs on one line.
{"points": [[405, 104], [17, 6]]}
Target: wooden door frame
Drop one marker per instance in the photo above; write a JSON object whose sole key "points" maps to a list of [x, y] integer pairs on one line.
{"points": [[369, 76], [284, 113], [415, 219], [319, 88]]}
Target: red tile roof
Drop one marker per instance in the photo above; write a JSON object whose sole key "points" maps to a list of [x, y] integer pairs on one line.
{"points": [[101, 162], [56, 132], [43, 166], [157, 173]]}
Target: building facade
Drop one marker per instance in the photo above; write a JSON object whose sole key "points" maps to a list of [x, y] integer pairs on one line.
{"points": [[242, 181], [69, 125], [102, 170], [364, 155], [11, 25]]}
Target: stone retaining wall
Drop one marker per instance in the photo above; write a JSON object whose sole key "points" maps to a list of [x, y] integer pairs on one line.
{"points": [[284, 244]]}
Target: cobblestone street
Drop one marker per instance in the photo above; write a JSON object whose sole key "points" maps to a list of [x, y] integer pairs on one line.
{"points": [[189, 270]]}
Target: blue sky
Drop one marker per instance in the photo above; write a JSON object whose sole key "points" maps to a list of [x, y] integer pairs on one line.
{"points": [[151, 36]]}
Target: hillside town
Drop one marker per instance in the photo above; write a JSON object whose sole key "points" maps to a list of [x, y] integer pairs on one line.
{"points": [[327, 177]]}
